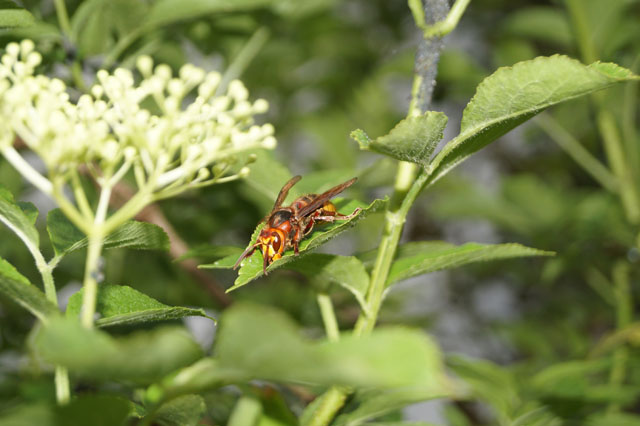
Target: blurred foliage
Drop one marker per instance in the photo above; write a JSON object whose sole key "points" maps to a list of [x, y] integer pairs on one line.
{"points": [[549, 341]]}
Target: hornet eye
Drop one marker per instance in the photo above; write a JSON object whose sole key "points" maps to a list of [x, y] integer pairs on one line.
{"points": [[276, 242]]}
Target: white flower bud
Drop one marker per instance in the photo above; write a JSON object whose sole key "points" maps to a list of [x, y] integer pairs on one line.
{"points": [[27, 47], [13, 49], [237, 90], [269, 142], [145, 65], [34, 59], [260, 106], [175, 87], [163, 71], [97, 91]]}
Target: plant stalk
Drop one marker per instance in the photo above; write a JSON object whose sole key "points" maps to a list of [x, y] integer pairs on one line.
{"points": [[328, 317], [624, 316]]}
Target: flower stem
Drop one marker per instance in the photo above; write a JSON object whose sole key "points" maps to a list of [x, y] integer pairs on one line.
{"points": [[92, 267]]}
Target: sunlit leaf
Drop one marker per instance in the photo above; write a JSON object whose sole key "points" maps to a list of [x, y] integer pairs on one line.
{"points": [[251, 268], [122, 305], [419, 258], [19, 219], [12, 15], [512, 95], [15, 286], [140, 357], [265, 344], [413, 139]]}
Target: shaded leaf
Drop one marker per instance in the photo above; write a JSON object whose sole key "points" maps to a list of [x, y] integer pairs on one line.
{"points": [[211, 252], [512, 95], [17, 287], [123, 305], [226, 257], [413, 139], [165, 12], [65, 237], [489, 383], [547, 24], [139, 357], [251, 268], [264, 344], [574, 380], [186, 410], [94, 410], [346, 271], [612, 419]]}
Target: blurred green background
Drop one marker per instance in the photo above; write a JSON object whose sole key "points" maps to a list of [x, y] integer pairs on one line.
{"points": [[326, 68]]}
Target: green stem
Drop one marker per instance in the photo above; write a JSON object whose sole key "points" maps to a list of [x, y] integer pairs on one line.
{"points": [[618, 161], [582, 30], [407, 189], [577, 152], [96, 240], [442, 28], [122, 45], [244, 58], [62, 385], [90, 282], [614, 148], [624, 313], [328, 317], [27, 171], [63, 18]]}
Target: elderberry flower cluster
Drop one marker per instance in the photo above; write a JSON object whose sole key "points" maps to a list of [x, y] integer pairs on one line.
{"points": [[173, 131]]}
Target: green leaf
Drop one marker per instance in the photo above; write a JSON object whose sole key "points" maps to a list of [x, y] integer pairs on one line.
{"points": [[413, 139], [186, 410], [346, 271], [374, 403], [39, 414], [251, 268], [574, 380], [489, 383], [122, 305], [17, 287], [165, 12], [94, 410], [20, 219], [419, 258], [512, 95], [543, 23], [65, 237], [612, 419], [12, 15], [140, 357], [264, 344], [225, 256], [201, 376]]}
